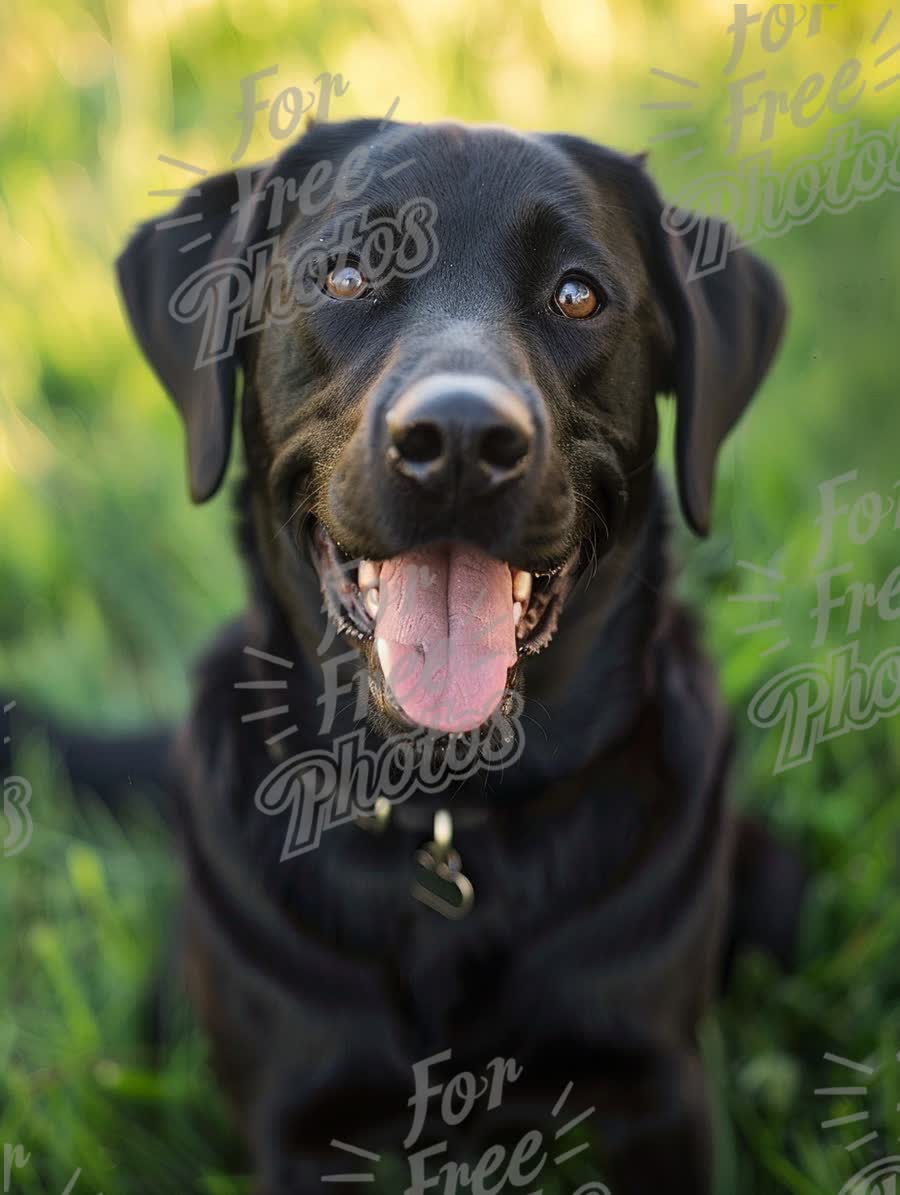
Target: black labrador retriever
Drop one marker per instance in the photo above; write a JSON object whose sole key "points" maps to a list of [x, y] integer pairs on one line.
{"points": [[454, 786]]}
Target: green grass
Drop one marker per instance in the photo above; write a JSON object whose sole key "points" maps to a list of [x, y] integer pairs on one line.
{"points": [[110, 581]]}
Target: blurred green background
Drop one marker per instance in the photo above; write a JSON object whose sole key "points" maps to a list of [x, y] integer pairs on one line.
{"points": [[110, 580]]}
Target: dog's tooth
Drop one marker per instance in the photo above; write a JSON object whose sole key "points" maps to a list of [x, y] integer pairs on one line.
{"points": [[368, 574], [522, 586], [517, 613], [372, 598]]}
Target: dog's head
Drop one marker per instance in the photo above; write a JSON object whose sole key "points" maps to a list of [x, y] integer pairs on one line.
{"points": [[451, 341]]}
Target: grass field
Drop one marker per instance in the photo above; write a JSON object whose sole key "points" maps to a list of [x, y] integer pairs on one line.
{"points": [[110, 580]]}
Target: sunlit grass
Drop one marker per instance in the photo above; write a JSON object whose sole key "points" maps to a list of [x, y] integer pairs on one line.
{"points": [[110, 580]]}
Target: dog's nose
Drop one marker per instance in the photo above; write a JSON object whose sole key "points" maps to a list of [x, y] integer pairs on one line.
{"points": [[461, 435]]}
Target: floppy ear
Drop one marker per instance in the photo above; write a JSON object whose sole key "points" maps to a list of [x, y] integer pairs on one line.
{"points": [[184, 280], [727, 319], [724, 306], [190, 285]]}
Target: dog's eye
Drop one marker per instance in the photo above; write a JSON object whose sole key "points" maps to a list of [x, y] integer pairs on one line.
{"points": [[576, 299], [345, 283]]}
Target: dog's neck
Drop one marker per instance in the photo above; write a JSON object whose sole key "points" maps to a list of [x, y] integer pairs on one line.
{"points": [[587, 688], [582, 693]]}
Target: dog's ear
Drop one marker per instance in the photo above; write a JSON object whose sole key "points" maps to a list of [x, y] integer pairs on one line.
{"points": [[192, 284], [726, 309], [183, 279]]}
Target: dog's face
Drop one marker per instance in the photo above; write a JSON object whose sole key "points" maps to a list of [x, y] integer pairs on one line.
{"points": [[452, 353]]}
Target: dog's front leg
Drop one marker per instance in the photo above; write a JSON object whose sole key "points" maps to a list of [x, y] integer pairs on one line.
{"points": [[638, 1122], [314, 1131]]}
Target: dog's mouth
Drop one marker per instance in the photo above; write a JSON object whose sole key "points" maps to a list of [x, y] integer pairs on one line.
{"points": [[442, 626]]}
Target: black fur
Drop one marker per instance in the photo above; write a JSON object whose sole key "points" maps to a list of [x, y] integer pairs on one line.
{"points": [[603, 860]]}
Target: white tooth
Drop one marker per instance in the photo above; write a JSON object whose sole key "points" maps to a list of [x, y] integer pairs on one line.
{"points": [[522, 586], [517, 613], [368, 574], [382, 650], [372, 596]]}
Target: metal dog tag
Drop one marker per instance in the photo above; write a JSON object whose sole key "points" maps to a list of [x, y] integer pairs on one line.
{"points": [[439, 879]]}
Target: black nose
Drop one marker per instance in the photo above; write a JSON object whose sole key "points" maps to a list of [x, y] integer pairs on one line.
{"points": [[460, 435]]}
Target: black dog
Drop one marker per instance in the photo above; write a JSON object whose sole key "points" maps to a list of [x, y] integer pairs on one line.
{"points": [[467, 414]]}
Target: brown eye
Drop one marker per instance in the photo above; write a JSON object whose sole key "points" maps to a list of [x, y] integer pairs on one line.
{"points": [[345, 283], [576, 299]]}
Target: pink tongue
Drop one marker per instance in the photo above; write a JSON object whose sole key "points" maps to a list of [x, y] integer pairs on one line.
{"points": [[445, 635]]}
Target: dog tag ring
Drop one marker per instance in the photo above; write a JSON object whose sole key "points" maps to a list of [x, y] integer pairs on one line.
{"points": [[379, 819]]}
